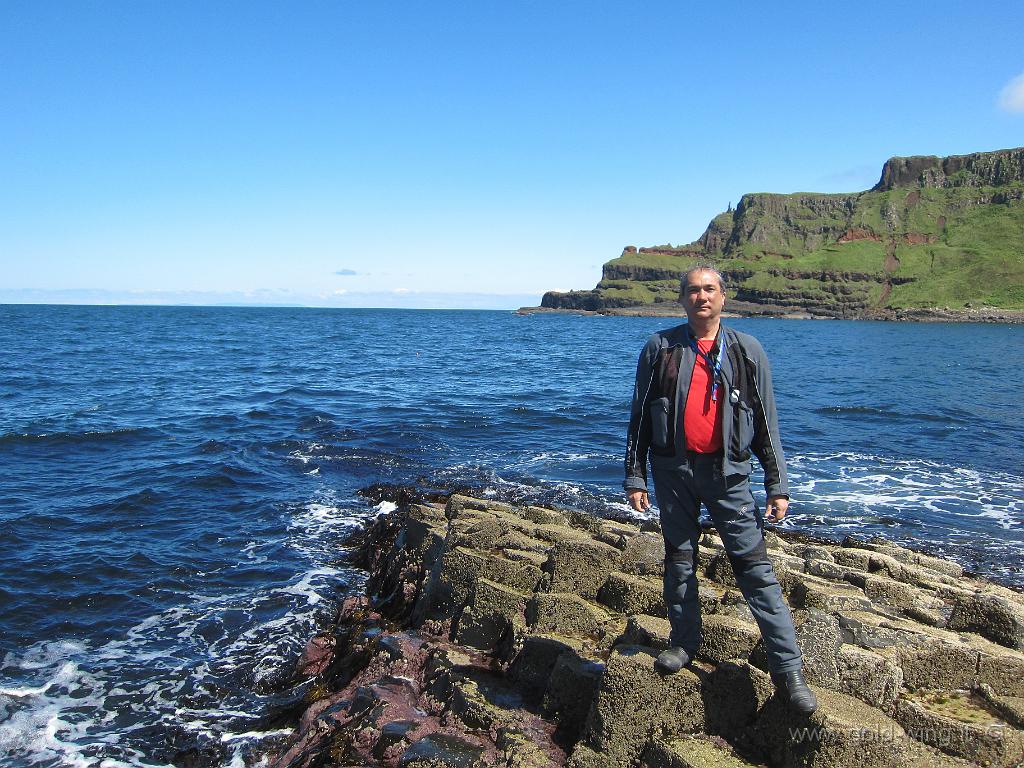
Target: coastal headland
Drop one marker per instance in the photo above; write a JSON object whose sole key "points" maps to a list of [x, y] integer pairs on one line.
{"points": [[493, 634], [936, 239]]}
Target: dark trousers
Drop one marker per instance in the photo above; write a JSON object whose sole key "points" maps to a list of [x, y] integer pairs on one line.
{"points": [[681, 485]]}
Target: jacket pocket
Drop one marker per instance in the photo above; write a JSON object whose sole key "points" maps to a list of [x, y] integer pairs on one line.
{"points": [[660, 434], [742, 431]]}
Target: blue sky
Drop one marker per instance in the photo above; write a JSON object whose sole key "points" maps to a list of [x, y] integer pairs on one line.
{"points": [[442, 154]]}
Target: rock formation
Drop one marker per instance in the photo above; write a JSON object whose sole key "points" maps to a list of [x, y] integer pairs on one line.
{"points": [[499, 635], [982, 169], [934, 233]]}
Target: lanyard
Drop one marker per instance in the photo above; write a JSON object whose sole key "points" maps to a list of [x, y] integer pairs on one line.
{"points": [[714, 364]]}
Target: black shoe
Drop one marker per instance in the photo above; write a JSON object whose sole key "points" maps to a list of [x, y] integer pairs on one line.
{"points": [[672, 660], [793, 688]]}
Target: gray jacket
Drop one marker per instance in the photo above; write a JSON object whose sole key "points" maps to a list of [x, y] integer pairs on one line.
{"points": [[749, 421]]}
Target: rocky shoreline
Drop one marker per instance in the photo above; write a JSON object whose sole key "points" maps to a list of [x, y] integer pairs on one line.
{"points": [[493, 634], [739, 309]]}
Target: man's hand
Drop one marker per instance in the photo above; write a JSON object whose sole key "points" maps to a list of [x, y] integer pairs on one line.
{"points": [[639, 500], [777, 507]]}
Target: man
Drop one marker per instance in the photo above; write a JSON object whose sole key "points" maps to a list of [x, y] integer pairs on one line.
{"points": [[703, 402]]}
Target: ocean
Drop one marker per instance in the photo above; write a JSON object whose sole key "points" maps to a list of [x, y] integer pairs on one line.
{"points": [[177, 484]]}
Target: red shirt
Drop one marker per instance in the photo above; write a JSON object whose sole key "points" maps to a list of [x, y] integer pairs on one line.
{"points": [[702, 418]]}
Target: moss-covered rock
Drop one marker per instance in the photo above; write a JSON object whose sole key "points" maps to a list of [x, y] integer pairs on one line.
{"points": [[544, 516], [843, 732], [622, 719], [644, 555], [650, 631], [819, 638], [726, 637], [452, 582], [492, 611], [570, 693], [632, 595], [734, 694], [935, 664], [532, 667], [960, 725], [520, 750], [1003, 672], [1009, 708], [998, 618], [457, 503], [825, 595], [565, 613], [690, 753], [870, 677], [580, 565]]}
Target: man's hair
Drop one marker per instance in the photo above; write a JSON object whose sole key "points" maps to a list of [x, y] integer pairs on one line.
{"points": [[701, 268]]}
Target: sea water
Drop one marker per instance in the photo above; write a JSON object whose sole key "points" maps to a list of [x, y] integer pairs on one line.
{"points": [[177, 484]]}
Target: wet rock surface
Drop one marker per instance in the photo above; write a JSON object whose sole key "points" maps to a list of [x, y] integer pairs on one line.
{"points": [[497, 635]]}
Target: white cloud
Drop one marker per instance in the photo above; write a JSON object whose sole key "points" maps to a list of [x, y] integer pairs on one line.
{"points": [[1011, 98], [401, 290]]}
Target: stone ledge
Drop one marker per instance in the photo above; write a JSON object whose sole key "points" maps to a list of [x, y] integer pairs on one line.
{"points": [[498, 635]]}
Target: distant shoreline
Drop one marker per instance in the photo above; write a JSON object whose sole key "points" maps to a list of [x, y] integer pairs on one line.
{"points": [[938, 315]]}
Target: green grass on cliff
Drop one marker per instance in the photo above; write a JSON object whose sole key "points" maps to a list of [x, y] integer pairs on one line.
{"points": [[657, 260], [646, 292], [813, 291], [974, 250], [857, 256], [982, 261], [634, 291]]}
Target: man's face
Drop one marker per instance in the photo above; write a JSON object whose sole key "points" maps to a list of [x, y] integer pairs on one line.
{"points": [[702, 297]]}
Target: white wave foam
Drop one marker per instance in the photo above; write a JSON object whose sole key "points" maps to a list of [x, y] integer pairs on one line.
{"points": [[307, 586], [305, 454], [975, 517], [63, 677], [40, 720], [255, 734], [565, 457], [882, 485], [43, 655], [249, 550], [197, 667]]}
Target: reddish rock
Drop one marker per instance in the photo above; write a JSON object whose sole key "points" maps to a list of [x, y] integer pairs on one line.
{"points": [[858, 233], [319, 653]]}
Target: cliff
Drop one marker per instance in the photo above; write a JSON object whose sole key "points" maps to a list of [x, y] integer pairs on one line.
{"points": [[498, 635], [933, 233], [981, 169]]}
